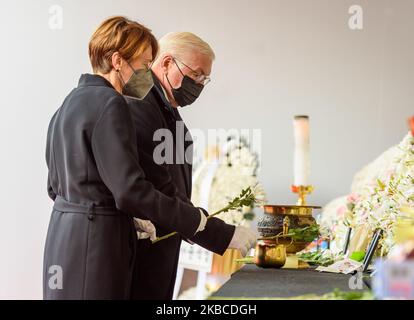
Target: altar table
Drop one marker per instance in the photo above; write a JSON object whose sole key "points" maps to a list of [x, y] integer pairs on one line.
{"points": [[254, 282]]}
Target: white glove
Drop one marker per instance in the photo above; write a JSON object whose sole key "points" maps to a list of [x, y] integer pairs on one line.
{"points": [[243, 239], [145, 229]]}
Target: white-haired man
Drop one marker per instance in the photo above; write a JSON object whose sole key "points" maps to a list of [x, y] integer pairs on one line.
{"points": [[180, 73]]}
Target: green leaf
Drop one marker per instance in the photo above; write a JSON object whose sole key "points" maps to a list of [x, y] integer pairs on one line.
{"points": [[249, 216]]}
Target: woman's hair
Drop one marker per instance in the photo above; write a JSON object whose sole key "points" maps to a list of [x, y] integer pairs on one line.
{"points": [[119, 34]]}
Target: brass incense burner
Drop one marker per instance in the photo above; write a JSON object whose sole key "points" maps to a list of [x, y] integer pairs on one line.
{"points": [[277, 220]]}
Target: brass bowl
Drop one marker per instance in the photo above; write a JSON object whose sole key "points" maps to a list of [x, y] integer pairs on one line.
{"points": [[293, 247], [269, 254], [271, 223]]}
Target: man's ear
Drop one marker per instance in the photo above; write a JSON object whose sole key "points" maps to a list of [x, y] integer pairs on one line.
{"points": [[116, 61], [166, 62]]}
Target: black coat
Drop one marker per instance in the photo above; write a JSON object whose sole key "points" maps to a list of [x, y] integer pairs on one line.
{"points": [[98, 186], [156, 267]]}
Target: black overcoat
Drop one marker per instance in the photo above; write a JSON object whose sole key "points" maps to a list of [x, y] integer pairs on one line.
{"points": [[156, 266], [97, 185]]}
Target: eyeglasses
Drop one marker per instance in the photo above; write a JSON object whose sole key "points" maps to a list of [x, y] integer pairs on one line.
{"points": [[197, 77]]}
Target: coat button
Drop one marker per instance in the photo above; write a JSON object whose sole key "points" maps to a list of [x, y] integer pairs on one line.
{"points": [[90, 217]]}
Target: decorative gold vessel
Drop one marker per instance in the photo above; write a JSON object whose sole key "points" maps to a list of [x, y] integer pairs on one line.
{"points": [[277, 220]]}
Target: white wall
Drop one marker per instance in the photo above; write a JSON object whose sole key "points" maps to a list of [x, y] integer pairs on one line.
{"points": [[275, 59]]}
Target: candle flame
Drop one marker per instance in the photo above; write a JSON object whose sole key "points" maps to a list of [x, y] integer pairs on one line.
{"points": [[411, 125]]}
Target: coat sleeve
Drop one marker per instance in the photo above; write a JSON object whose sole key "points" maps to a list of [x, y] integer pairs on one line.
{"points": [[51, 193], [217, 235], [114, 147]]}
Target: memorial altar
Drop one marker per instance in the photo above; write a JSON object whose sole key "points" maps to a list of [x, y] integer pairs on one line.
{"points": [[358, 246], [252, 282]]}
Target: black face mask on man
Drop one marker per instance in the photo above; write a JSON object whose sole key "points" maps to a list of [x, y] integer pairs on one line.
{"points": [[188, 92], [140, 83]]}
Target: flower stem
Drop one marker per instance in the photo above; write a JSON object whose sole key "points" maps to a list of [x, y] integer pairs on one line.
{"points": [[277, 236], [175, 232]]}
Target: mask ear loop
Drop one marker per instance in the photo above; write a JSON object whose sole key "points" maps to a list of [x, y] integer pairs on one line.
{"points": [[120, 77], [179, 69], [166, 76], [133, 70], [168, 80]]}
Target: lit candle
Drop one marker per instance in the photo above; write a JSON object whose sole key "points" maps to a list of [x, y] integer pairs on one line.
{"points": [[411, 124], [301, 157]]}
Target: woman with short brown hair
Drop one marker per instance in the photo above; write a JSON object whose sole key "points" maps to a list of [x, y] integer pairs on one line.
{"points": [[94, 177]]}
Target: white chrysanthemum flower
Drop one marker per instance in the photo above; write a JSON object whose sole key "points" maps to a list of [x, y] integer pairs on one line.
{"points": [[236, 173], [383, 188]]}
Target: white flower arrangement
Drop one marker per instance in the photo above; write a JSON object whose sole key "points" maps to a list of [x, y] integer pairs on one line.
{"points": [[237, 170], [378, 193], [381, 201]]}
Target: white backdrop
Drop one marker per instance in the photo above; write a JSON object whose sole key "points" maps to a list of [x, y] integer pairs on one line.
{"points": [[275, 59]]}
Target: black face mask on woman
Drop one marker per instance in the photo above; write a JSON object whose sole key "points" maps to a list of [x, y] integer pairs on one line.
{"points": [[188, 92]]}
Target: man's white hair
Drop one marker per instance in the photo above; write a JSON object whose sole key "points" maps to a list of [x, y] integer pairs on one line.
{"points": [[182, 43]]}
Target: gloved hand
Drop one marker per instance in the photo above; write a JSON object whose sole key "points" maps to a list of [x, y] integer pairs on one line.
{"points": [[243, 239], [145, 229]]}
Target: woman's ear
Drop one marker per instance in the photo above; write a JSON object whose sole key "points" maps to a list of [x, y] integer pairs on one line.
{"points": [[116, 61]]}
